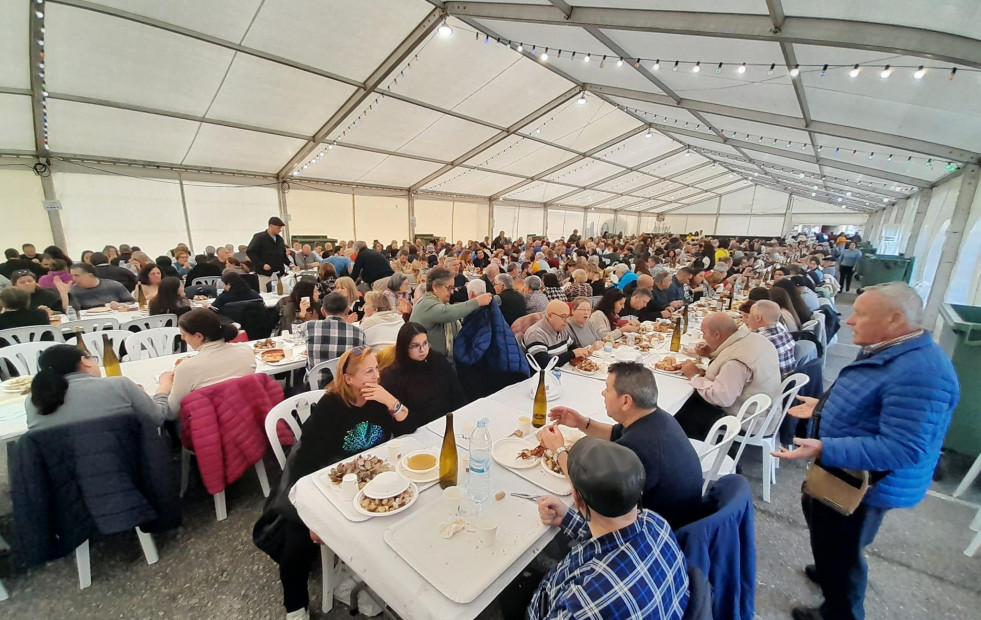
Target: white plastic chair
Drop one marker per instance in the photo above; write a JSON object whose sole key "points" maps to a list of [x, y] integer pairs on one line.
{"points": [[3, 592], [965, 484], [207, 281], [221, 509], [82, 560], [716, 449], [382, 334], [976, 541], [31, 333], [299, 405], [150, 322], [151, 343], [22, 357], [763, 433], [93, 341], [313, 375], [88, 325]]}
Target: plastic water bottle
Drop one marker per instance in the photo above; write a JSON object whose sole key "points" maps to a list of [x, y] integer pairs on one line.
{"points": [[558, 376], [70, 312], [480, 456]]}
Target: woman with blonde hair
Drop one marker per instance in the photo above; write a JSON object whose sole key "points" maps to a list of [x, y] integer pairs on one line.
{"points": [[349, 289], [579, 287]]}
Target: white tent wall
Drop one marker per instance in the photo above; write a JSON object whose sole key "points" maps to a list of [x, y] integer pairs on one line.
{"points": [[381, 217], [100, 209], [434, 217], [930, 241], [965, 282], [596, 221], [220, 214], [561, 222], [469, 221], [807, 211], [314, 212], [25, 220]]}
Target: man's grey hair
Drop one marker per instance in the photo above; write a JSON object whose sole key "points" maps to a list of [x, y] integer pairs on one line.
{"points": [[533, 282], [659, 275], [620, 269], [904, 298], [593, 259], [504, 280], [229, 247], [360, 245], [476, 287], [395, 281], [637, 380]]}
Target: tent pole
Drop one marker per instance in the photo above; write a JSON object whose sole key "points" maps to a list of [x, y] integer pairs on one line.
{"points": [[412, 217], [788, 219], [924, 197], [284, 213], [490, 218], [354, 218], [952, 245], [54, 215], [187, 221]]}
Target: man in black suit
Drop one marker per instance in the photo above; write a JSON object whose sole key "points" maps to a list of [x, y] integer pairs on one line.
{"points": [[513, 304], [111, 272], [267, 251]]}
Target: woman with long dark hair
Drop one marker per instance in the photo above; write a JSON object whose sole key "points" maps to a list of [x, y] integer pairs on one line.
{"points": [[216, 361], [236, 289], [149, 280], [422, 379], [302, 304], [69, 387], [800, 307], [606, 315], [787, 311], [170, 298]]}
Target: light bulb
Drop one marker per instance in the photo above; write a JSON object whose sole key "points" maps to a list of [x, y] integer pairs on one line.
{"points": [[697, 67], [620, 62], [581, 100], [538, 130], [886, 72], [742, 68], [824, 70], [444, 30], [649, 134], [795, 71], [656, 65], [854, 72], [675, 67], [719, 68], [545, 55], [521, 47], [586, 58], [885, 200], [772, 67], [849, 194], [919, 73]]}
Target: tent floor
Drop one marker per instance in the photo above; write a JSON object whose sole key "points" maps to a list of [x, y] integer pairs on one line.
{"points": [[211, 570]]}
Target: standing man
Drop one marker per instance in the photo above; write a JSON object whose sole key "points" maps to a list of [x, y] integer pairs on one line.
{"points": [[887, 414], [267, 251], [369, 265]]}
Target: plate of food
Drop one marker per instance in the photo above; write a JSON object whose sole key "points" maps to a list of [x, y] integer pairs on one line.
{"points": [[551, 465], [670, 363], [387, 494], [364, 466], [200, 298], [17, 385], [585, 365], [273, 356], [516, 453], [98, 310], [264, 345]]}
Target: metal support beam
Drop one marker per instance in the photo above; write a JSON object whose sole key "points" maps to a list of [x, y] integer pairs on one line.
{"points": [[788, 218], [892, 39], [363, 93], [490, 219], [284, 214], [941, 151], [412, 217], [923, 204], [187, 219], [952, 244]]}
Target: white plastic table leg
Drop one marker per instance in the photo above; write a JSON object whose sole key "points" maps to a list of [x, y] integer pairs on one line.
{"points": [[969, 478], [220, 511], [149, 549], [767, 474], [976, 541], [82, 560], [330, 577], [260, 469]]}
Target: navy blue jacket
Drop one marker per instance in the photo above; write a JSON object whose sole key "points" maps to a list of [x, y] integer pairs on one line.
{"points": [[70, 481], [723, 546], [889, 412], [486, 338]]}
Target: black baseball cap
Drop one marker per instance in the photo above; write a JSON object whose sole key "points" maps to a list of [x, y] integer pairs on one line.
{"points": [[608, 477], [275, 221]]}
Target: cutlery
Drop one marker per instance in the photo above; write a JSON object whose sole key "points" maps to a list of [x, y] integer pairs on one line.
{"points": [[530, 498]]}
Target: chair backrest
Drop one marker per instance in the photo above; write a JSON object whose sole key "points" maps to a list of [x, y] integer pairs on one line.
{"points": [[155, 342], [293, 411], [522, 323], [383, 333], [200, 289], [816, 326], [31, 333], [752, 408], [717, 444], [788, 393], [22, 358], [150, 322], [117, 340], [207, 281], [594, 300], [313, 375], [804, 352], [88, 325]]}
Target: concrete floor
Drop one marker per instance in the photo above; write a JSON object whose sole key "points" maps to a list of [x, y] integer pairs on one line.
{"points": [[211, 570]]}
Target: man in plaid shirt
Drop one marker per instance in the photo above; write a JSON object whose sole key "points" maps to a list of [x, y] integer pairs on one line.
{"points": [[764, 318], [625, 562], [329, 338]]}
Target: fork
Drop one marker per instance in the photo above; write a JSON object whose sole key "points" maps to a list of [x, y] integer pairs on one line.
{"points": [[530, 498]]}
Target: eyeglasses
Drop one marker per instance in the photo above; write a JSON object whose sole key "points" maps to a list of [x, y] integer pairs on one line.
{"points": [[355, 352], [91, 358], [418, 346]]}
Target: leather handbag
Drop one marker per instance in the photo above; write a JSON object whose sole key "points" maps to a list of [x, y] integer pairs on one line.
{"points": [[842, 490]]}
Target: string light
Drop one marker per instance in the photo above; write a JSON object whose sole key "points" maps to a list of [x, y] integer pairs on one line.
{"points": [[650, 133], [620, 62], [769, 71], [697, 67], [582, 99], [852, 74], [953, 72], [657, 65], [719, 68], [675, 67], [545, 55], [444, 30], [741, 69], [585, 59], [919, 73], [795, 71], [521, 48], [886, 72], [824, 70]]}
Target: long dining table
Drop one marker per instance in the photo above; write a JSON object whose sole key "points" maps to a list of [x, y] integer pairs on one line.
{"points": [[376, 549]]}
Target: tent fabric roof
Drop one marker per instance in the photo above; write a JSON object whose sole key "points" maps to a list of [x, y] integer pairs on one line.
{"points": [[371, 94]]}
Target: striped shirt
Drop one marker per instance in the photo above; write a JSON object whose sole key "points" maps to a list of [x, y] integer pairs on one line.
{"points": [[784, 343], [543, 343], [635, 572]]}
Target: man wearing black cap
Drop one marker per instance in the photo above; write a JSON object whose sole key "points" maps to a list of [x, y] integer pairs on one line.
{"points": [[625, 561], [267, 251], [673, 486]]}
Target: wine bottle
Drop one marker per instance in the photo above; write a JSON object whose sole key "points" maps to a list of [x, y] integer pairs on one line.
{"points": [[279, 285], [109, 360], [676, 336], [140, 297], [541, 402], [79, 342], [447, 456]]}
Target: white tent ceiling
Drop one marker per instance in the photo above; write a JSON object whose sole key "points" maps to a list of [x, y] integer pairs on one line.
{"points": [[368, 93]]}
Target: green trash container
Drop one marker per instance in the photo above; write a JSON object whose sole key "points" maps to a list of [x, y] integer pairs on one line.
{"points": [[960, 338], [881, 268]]}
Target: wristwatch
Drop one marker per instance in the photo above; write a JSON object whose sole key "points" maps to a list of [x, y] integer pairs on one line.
{"points": [[394, 411], [560, 451]]}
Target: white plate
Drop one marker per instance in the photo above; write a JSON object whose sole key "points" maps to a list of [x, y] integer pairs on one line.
{"points": [[548, 470], [17, 384], [505, 452], [360, 496], [432, 476], [403, 467], [678, 356], [98, 310]]}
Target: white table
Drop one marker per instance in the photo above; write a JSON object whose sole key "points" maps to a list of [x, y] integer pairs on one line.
{"points": [[362, 547], [13, 417]]}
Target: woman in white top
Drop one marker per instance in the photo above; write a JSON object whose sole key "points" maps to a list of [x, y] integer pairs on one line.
{"points": [[216, 361], [378, 310], [607, 314]]}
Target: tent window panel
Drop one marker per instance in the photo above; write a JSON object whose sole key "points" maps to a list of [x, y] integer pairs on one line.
{"points": [[434, 217]]}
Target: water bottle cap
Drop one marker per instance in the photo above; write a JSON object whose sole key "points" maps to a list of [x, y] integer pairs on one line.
{"points": [[482, 423]]}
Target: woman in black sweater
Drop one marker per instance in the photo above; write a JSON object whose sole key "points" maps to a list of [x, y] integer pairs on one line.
{"points": [[422, 379], [235, 290]]}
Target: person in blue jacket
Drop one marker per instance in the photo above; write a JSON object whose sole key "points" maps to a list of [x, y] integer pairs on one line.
{"points": [[887, 414]]}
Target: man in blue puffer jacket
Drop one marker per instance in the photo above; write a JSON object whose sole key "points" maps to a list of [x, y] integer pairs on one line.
{"points": [[887, 413]]}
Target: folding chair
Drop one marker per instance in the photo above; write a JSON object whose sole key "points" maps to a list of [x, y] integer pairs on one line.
{"points": [[31, 333], [22, 358], [151, 343], [313, 375]]}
